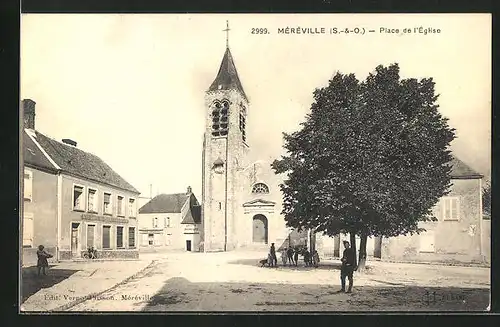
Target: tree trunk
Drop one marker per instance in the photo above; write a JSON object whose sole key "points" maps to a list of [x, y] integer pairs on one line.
{"points": [[312, 241], [362, 253], [353, 246]]}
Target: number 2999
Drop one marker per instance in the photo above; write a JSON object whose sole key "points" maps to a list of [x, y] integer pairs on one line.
{"points": [[260, 30]]}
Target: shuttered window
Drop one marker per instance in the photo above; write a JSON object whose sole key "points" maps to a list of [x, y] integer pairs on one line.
{"points": [[28, 230], [107, 204], [106, 237], [28, 185], [78, 198], [131, 237], [90, 235], [119, 237], [120, 206], [131, 207], [92, 200], [451, 208]]}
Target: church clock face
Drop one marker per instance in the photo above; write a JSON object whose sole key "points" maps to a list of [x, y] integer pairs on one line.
{"points": [[218, 166]]}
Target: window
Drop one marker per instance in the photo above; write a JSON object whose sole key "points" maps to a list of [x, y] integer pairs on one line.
{"points": [[131, 207], [450, 208], [155, 222], [151, 239], [243, 123], [106, 237], [131, 237], [427, 241], [260, 188], [220, 114], [92, 200], [78, 198], [90, 235], [119, 236], [28, 230], [28, 185], [120, 206], [107, 209]]}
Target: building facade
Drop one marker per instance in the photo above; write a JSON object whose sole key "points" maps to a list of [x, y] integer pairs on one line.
{"points": [[170, 222], [73, 200], [460, 233]]}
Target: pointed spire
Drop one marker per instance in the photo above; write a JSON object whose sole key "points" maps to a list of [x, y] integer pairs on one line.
{"points": [[227, 77]]}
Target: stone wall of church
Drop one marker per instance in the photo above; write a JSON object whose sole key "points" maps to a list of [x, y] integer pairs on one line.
{"points": [[220, 216]]}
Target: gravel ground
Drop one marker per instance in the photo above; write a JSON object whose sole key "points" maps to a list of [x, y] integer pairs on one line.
{"points": [[235, 282]]}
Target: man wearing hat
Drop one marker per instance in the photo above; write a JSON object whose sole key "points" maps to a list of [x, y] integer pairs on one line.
{"points": [[347, 268]]}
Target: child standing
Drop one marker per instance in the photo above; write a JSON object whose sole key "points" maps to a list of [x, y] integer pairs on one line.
{"points": [[296, 256], [315, 259], [42, 259], [284, 256]]}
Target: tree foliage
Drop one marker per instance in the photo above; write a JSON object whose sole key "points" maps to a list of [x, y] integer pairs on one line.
{"points": [[371, 157]]}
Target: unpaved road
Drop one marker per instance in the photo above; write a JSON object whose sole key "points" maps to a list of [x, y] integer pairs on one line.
{"points": [[226, 282]]}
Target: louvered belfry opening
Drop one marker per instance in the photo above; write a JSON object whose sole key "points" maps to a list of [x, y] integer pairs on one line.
{"points": [[243, 122], [220, 118]]}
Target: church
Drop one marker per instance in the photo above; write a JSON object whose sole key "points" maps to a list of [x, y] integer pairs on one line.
{"points": [[241, 200]]}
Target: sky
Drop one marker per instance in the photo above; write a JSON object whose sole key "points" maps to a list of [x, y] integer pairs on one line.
{"points": [[129, 88]]}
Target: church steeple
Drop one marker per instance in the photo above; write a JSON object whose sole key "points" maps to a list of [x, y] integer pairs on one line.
{"points": [[227, 77]]}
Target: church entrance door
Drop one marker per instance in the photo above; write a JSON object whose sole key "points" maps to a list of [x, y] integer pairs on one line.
{"points": [[260, 229]]}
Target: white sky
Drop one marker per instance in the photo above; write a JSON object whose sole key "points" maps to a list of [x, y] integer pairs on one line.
{"points": [[129, 88]]}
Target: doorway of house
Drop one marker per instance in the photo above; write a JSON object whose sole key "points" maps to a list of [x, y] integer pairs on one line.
{"points": [[75, 239], [188, 245]]}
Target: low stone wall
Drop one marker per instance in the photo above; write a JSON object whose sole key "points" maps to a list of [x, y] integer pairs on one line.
{"points": [[30, 258], [105, 254]]}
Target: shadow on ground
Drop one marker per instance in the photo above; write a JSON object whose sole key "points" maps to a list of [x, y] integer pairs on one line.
{"points": [[179, 294], [32, 283], [300, 265]]}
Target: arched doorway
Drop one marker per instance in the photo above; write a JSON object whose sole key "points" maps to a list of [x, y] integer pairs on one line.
{"points": [[259, 229]]}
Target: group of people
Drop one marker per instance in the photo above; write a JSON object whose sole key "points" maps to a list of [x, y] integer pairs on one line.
{"points": [[290, 256]]}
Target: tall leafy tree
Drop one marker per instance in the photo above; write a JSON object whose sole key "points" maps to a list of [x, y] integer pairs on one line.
{"points": [[370, 159]]}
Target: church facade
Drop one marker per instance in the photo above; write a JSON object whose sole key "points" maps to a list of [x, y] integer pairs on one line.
{"points": [[241, 200]]}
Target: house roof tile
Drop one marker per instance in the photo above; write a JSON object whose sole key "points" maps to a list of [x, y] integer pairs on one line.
{"points": [[82, 164], [32, 155], [165, 203], [460, 170]]}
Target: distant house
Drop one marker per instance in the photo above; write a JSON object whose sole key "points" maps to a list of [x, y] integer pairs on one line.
{"points": [[73, 199], [170, 221], [461, 233]]}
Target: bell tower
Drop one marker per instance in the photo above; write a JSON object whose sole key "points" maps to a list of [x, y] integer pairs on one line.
{"points": [[224, 152]]}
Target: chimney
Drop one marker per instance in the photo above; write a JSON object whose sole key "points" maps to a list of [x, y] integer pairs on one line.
{"points": [[28, 106], [189, 190], [69, 142]]}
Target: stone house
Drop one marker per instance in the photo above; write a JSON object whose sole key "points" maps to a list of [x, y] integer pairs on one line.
{"points": [[170, 222], [460, 234], [73, 199]]}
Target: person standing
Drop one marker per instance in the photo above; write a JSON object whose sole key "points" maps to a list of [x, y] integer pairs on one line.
{"points": [[272, 251], [284, 256], [315, 259], [289, 254], [42, 262], [296, 255], [347, 268]]}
